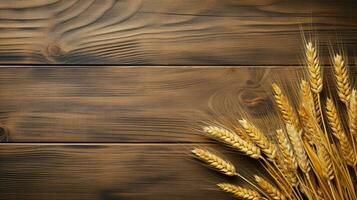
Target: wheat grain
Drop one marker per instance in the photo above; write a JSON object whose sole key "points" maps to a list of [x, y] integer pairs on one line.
{"points": [[337, 129], [286, 150], [298, 147], [285, 107], [313, 67], [342, 79], [233, 140], [259, 139], [272, 191], [215, 161], [240, 192]]}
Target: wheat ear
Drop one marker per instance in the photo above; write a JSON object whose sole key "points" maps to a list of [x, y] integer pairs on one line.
{"points": [[299, 148], [259, 139], [306, 97], [286, 150], [240, 192], [215, 161], [317, 107], [233, 140], [342, 79], [285, 170], [313, 67], [272, 191], [308, 125], [285, 107], [352, 114], [310, 100], [325, 161], [337, 129]]}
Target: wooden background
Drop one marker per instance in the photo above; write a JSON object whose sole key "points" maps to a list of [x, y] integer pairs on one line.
{"points": [[103, 99]]}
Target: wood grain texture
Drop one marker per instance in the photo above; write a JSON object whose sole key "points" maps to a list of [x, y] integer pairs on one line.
{"points": [[169, 32], [128, 104], [107, 172]]}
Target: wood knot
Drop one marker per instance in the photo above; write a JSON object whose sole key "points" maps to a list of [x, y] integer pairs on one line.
{"points": [[4, 134], [255, 101], [54, 53]]}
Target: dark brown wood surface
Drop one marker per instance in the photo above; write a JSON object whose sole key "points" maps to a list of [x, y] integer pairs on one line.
{"points": [[169, 32], [128, 104], [108, 172]]}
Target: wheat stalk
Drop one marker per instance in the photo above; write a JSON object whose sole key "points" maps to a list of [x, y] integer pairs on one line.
{"points": [[313, 67], [233, 140], [272, 191], [342, 79], [298, 147], [240, 192], [259, 139], [336, 126], [215, 161]]}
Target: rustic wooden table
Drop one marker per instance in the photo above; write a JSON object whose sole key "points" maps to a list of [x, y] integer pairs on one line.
{"points": [[104, 99]]}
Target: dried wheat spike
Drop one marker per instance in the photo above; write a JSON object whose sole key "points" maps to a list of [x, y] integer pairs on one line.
{"points": [[352, 114], [290, 175], [326, 163], [317, 107], [272, 191], [286, 150], [313, 67], [233, 140], [215, 161], [259, 139], [309, 100], [285, 107], [306, 97], [337, 129], [342, 79], [299, 148], [241, 133], [308, 125], [240, 192]]}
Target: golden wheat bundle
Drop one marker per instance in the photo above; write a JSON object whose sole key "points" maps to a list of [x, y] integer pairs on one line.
{"points": [[313, 153]]}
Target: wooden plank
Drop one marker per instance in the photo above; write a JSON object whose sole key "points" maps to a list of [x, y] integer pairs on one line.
{"points": [[128, 104], [108, 172], [169, 32]]}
